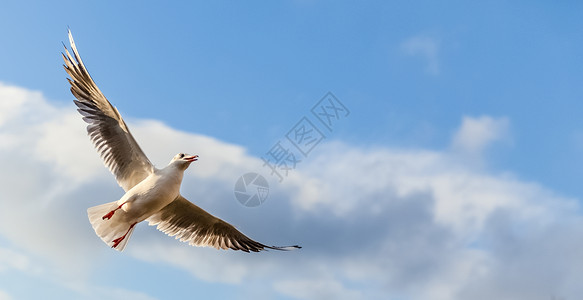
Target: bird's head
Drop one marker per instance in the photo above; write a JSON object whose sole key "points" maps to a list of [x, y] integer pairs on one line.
{"points": [[183, 160]]}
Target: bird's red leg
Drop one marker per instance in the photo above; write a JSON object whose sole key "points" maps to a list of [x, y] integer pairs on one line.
{"points": [[119, 239], [110, 214]]}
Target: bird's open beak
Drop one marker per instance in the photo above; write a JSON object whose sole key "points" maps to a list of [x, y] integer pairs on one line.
{"points": [[191, 158]]}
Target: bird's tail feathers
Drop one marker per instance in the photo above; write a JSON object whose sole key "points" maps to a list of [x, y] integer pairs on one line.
{"points": [[112, 229]]}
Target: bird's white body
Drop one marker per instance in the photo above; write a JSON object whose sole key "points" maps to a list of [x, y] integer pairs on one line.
{"points": [[152, 194], [114, 221]]}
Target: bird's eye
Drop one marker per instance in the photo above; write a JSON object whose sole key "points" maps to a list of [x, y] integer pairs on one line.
{"points": [[181, 155]]}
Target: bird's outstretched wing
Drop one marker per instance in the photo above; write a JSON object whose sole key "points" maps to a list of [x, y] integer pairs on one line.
{"points": [[107, 130], [190, 223]]}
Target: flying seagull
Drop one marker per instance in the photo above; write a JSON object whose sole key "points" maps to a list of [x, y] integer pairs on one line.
{"points": [[152, 194]]}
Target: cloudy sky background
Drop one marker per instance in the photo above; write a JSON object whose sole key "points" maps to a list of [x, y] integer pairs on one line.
{"points": [[455, 176]]}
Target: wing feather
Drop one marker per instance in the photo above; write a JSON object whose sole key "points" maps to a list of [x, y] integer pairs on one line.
{"points": [[107, 130], [190, 223]]}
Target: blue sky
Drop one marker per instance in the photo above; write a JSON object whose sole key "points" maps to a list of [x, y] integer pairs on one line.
{"points": [[464, 124]]}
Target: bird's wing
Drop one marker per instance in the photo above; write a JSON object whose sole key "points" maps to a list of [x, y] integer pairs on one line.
{"points": [[107, 130], [190, 223]]}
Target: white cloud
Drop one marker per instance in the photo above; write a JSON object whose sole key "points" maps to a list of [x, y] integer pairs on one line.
{"points": [[425, 47], [206, 264], [115, 293], [475, 134], [10, 259], [374, 222], [4, 296], [316, 289]]}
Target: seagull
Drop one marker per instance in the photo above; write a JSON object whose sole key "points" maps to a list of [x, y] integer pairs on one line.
{"points": [[151, 194]]}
